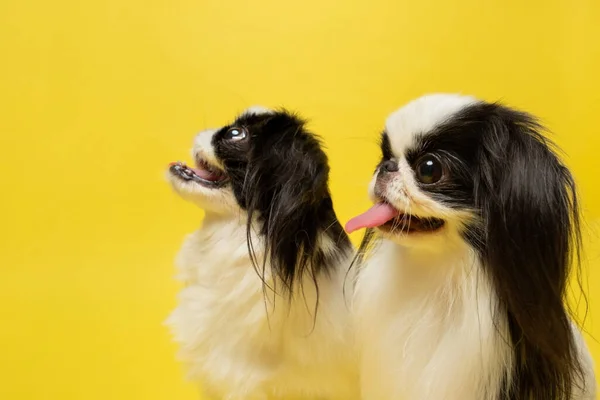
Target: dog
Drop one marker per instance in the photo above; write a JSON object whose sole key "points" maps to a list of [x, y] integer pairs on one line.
{"points": [[263, 313], [466, 260]]}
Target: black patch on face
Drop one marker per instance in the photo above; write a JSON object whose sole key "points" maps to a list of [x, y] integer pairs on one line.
{"points": [[386, 147], [498, 165], [279, 175]]}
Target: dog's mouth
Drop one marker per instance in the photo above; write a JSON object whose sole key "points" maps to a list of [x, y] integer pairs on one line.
{"points": [[388, 219], [204, 174], [406, 223]]}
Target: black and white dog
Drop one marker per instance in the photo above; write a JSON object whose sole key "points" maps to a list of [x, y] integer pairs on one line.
{"points": [[263, 312], [476, 225]]}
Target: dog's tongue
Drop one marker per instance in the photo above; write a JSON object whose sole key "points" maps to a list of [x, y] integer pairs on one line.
{"points": [[205, 174], [202, 173], [377, 215]]}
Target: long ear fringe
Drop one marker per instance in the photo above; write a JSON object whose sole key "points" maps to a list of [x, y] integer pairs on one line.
{"points": [[530, 238], [286, 193]]}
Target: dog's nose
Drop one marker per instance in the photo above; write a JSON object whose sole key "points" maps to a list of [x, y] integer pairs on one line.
{"points": [[390, 166]]}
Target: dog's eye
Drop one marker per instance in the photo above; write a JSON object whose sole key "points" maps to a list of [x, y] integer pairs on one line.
{"points": [[429, 169], [236, 134]]}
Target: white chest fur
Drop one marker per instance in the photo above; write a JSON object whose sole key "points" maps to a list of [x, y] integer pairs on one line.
{"points": [[241, 341], [427, 329]]}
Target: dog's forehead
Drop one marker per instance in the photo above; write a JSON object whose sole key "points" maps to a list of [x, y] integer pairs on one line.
{"points": [[421, 116], [257, 110], [253, 114]]}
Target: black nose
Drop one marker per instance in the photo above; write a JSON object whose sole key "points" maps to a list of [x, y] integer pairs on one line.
{"points": [[389, 166]]}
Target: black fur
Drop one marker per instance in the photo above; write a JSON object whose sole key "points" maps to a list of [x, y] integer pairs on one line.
{"points": [[279, 175], [386, 147], [498, 164]]}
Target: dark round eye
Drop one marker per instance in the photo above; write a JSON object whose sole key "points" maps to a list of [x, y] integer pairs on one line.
{"points": [[429, 169], [236, 133]]}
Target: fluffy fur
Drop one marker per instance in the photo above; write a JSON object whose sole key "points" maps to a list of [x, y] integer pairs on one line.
{"points": [[262, 314], [474, 309]]}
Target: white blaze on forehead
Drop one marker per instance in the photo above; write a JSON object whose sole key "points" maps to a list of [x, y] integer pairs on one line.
{"points": [[421, 116], [257, 110]]}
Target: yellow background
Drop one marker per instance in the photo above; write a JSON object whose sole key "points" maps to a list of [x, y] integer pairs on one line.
{"points": [[96, 97]]}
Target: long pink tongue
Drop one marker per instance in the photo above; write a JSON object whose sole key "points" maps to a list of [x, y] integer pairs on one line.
{"points": [[377, 215]]}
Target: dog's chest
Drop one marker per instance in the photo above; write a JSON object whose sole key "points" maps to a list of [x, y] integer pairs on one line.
{"points": [[236, 342], [223, 295], [221, 309], [422, 339]]}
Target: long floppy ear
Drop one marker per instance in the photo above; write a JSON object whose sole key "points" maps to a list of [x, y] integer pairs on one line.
{"points": [[286, 189], [530, 237]]}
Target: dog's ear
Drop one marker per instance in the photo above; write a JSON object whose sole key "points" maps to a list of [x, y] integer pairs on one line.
{"points": [[529, 236], [286, 190]]}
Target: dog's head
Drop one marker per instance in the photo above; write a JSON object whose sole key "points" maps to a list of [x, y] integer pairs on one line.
{"points": [[267, 168], [456, 167], [251, 163]]}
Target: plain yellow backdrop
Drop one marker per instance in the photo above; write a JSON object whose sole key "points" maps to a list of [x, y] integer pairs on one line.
{"points": [[96, 97]]}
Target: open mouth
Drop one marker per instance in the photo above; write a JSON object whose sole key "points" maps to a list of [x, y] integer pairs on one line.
{"points": [[406, 223], [204, 174], [388, 219]]}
